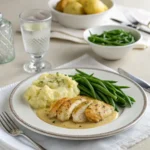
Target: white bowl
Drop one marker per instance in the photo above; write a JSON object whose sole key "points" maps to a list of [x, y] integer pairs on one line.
{"points": [[111, 52], [80, 21]]}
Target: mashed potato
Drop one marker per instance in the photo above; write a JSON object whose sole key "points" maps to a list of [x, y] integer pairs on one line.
{"points": [[50, 87]]}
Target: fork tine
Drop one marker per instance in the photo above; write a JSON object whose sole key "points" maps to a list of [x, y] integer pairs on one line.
{"points": [[132, 19], [8, 130], [5, 124], [10, 120]]}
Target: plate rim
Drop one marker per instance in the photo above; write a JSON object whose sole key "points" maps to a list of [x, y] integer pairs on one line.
{"points": [[76, 137]]}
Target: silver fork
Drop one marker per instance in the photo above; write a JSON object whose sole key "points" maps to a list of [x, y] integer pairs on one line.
{"points": [[10, 127], [133, 20]]}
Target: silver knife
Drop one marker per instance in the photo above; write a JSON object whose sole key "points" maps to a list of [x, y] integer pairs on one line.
{"points": [[129, 25], [141, 82]]}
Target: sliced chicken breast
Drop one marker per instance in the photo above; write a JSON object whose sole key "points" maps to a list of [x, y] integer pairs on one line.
{"points": [[78, 114], [55, 106], [98, 110], [66, 109]]}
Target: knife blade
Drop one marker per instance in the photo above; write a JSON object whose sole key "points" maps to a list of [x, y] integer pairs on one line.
{"points": [[139, 81], [130, 25]]}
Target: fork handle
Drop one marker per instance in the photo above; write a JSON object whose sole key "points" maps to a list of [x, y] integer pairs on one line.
{"points": [[38, 146]]}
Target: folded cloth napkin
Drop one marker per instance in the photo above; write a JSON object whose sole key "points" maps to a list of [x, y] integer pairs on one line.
{"points": [[140, 15], [122, 141], [74, 35]]}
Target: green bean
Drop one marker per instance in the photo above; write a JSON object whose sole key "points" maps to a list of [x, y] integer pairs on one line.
{"points": [[119, 93], [132, 99], [121, 105], [121, 100], [113, 103], [103, 85], [86, 94], [121, 87], [104, 98], [111, 89], [128, 100], [125, 97], [101, 94], [103, 90], [84, 89], [97, 81], [91, 79], [114, 38], [110, 86], [90, 87], [98, 97], [83, 93], [91, 75], [114, 92], [81, 72], [110, 81]]}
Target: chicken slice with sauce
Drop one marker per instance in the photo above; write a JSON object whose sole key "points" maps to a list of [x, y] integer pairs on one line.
{"points": [[78, 114], [66, 109], [98, 110], [55, 106]]}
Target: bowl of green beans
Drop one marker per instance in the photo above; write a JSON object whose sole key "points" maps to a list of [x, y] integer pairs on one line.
{"points": [[112, 42]]}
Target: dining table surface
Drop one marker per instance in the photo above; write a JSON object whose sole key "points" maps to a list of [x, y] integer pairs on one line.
{"points": [[60, 51]]}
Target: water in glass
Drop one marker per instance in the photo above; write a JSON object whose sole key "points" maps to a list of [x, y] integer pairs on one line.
{"points": [[36, 38], [35, 28]]}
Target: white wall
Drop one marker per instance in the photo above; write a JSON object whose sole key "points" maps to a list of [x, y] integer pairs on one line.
{"points": [[144, 4]]}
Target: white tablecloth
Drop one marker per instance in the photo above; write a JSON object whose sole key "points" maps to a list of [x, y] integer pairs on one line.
{"points": [[121, 141]]}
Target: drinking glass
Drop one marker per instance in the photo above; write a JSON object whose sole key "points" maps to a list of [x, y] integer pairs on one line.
{"points": [[35, 28]]}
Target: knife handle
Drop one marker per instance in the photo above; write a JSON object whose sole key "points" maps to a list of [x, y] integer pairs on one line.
{"points": [[144, 31], [141, 82], [132, 26]]}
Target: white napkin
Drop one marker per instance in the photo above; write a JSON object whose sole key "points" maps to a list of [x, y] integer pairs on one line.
{"points": [[140, 15], [122, 141], [74, 35]]}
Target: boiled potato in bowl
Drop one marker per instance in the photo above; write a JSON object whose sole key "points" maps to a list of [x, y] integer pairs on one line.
{"points": [[80, 19], [81, 7], [94, 6], [74, 8], [61, 4]]}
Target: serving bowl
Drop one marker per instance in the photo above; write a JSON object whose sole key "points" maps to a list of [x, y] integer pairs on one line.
{"points": [[111, 52], [80, 21]]}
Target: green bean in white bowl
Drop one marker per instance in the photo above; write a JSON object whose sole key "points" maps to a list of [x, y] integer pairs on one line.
{"points": [[112, 42]]}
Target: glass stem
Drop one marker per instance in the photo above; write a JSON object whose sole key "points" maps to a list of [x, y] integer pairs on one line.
{"points": [[36, 62]]}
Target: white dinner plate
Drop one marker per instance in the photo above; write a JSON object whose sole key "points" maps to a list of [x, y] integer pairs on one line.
{"points": [[23, 113]]}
